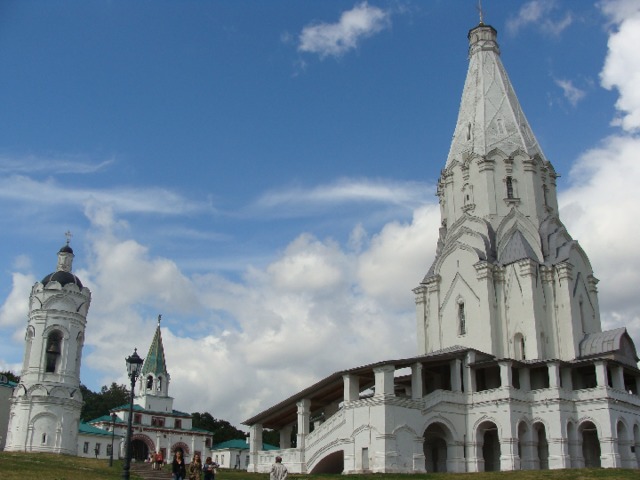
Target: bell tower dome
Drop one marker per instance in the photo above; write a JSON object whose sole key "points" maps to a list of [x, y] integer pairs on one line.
{"points": [[45, 407]]}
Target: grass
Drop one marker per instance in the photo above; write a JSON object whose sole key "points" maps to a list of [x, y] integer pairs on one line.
{"points": [[48, 466], [44, 466]]}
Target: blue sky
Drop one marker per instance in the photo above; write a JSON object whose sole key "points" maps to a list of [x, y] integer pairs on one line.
{"points": [[262, 173]]}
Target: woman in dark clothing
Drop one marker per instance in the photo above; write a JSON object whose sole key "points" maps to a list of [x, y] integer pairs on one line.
{"points": [[178, 467]]}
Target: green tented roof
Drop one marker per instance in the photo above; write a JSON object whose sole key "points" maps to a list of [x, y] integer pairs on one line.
{"points": [[155, 363]]}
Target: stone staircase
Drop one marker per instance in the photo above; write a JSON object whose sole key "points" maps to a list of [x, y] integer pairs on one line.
{"points": [[144, 471]]}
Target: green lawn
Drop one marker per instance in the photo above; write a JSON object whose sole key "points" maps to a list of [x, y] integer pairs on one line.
{"points": [[47, 466], [44, 466]]}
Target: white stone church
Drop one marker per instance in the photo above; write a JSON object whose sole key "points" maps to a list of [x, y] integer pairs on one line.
{"points": [[514, 370]]}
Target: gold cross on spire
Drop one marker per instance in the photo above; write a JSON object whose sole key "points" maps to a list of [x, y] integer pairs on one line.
{"points": [[479, 7], [68, 234]]}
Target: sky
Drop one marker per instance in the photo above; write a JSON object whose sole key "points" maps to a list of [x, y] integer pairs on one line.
{"points": [[263, 174]]}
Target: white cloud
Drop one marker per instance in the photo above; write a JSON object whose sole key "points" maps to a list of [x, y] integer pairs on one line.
{"points": [[407, 194], [33, 164], [538, 13], [47, 194], [572, 93], [15, 308], [622, 66], [335, 39]]}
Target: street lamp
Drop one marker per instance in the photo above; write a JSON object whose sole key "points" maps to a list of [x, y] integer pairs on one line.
{"points": [[113, 434], [134, 365]]}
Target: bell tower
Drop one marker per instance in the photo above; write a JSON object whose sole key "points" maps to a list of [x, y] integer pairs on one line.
{"points": [[153, 384], [45, 407]]}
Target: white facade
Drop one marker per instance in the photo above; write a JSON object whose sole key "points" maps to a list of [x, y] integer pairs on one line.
{"points": [[45, 407], [514, 371]]}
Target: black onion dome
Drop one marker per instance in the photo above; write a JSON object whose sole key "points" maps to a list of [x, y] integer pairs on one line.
{"points": [[66, 249], [63, 278]]}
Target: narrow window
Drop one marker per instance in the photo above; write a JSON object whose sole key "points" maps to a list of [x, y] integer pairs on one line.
{"points": [[53, 351], [44, 438], [500, 124], [468, 131], [509, 187], [462, 322], [544, 195], [178, 423], [85, 448], [159, 384]]}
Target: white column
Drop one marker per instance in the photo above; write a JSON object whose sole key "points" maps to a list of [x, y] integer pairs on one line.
{"points": [[351, 388], [554, 375], [601, 374], [505, 375], [285, 437], [255, 445], [469, 375], [304, 412], [384, 380], [416, 381]]}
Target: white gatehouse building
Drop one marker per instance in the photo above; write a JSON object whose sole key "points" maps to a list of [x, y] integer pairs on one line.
{"points": [[513, 369]]}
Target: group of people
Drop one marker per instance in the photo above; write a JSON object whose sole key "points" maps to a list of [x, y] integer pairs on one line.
{"points": [[157, 460], [196, 470]]}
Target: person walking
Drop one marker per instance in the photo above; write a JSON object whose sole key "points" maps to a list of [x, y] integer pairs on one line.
{"points": [[195, 468], [209, 469], [278, 470], [178, 468]]}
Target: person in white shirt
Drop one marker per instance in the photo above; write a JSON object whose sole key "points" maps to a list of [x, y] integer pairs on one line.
{"points": [[278, 470]]}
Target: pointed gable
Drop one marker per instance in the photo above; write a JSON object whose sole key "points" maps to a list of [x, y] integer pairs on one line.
{"points": [[517, 248], [490, 115]]}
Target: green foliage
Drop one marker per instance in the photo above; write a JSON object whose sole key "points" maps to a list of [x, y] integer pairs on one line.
{"points": [[222, 430], [97, 404], [272, 437], [12, 377]]}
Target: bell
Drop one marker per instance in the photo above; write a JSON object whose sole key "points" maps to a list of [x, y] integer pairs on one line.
{"points": [[53, 348]]}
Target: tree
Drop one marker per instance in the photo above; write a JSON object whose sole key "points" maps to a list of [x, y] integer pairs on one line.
{"points": [[222, 430], [12, 377], [97, 404]]}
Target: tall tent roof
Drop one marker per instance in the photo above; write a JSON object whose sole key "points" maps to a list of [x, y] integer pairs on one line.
{"points": [[490, 116], [155, 362]]}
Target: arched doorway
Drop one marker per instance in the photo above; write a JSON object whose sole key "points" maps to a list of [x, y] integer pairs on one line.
{"points": [[139, 450], [435, 449], [489, 446], [590, 444]]}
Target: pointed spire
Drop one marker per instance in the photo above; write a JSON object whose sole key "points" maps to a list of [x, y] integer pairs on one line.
{"points": [[155, 362], [490, 115]]}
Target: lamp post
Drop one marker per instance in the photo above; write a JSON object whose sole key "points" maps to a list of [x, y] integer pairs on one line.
{"points": [[134, 365], [113, 434]]}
